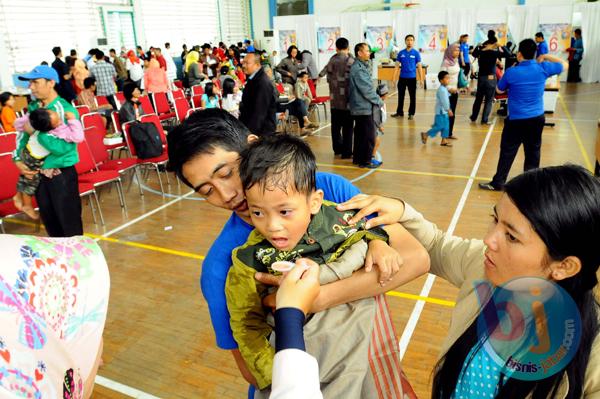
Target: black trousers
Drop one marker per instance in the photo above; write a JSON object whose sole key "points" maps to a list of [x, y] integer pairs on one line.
{"points": [[453, 102], [60, 204], [112, 102], [364, 139], [466, 68], [342, 126], [411, 84], [573, 73], [516, 132], [486, 88]]}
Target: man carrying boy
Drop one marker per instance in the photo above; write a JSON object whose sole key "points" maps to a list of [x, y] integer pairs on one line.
{"points": [[291, 221], [441, 123], [408, 71]]}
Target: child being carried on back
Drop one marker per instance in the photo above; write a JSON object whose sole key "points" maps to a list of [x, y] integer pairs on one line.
{"points": [[292, 221]]}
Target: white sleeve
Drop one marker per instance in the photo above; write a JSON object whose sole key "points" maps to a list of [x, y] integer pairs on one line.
{"points": [[295, 376]]}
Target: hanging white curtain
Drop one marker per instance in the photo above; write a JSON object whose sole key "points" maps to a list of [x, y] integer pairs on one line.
{"points": [[306, 32], [461, 21], [523, 22], [405, 25], [353, 28], [590, 32]]}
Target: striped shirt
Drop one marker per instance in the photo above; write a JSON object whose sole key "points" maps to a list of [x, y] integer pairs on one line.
{"points": [[105, 75]]}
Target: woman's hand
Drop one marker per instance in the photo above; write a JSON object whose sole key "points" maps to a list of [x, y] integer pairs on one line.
{"points": [[25, 171], [387, 259], [389, 210], [299, 287]]}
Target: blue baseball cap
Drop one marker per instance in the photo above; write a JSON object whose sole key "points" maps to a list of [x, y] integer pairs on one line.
{"points": [[41, 72]]}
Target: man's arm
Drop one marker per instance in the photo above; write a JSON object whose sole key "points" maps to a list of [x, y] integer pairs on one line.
{"points": [[553, 58], [396, 72], [420, 77]]}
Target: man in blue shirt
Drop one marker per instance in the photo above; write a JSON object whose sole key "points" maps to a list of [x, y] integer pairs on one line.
{"points": [[204, 153], [408, 71], [542, 46], [575, 56], [525, 84], [465, 60]]}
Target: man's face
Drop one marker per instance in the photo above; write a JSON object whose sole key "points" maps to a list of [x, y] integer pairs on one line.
{"points": [[249, 65], [282, 216], [538, 39], [410, 41], [41, 88], [364, 53], [215, 176]]}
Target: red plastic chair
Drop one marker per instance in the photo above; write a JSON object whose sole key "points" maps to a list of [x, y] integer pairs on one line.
{"points": [[120, 97], [1, 129], [88, 173], [101, 100], [116, 121], [154, 162], [318, 100], [9, 175], [82, 110], [8, 142], [102, 159], [197, 90], [162, 107], [196, 101], [87, 189], [94, 119], [177, 94], [178, 84], [146, 104], [182, 109]]}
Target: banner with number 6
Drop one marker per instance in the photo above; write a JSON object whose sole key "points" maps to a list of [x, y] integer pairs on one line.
{"points": [[558, 37]]}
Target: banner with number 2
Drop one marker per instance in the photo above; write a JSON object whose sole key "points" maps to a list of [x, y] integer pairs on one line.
{"points": [[326, 38]]}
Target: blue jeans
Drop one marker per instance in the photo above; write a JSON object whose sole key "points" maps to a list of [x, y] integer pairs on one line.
{"points": [[441, 123]]}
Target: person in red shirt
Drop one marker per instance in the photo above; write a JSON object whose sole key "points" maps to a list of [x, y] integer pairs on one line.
{"points": [[161, 60]]}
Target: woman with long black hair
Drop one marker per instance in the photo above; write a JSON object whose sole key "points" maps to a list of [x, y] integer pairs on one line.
{"points": [[542, 245]]}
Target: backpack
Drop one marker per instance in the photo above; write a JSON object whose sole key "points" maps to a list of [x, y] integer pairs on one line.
{"points": [[145, 140]]}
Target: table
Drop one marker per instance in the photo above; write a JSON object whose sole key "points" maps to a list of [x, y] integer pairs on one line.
{"points": [[386, 72], [551, 96]]}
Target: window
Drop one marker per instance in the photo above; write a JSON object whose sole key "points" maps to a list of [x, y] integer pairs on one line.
{"points": [[234, 16]]}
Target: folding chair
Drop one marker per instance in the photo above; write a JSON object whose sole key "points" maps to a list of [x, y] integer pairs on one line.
{"points": [[154, 162], [1, 129], [88, 173], [196, 101], [94, 119], [182, 109], [120, 97], [318, 100], [146, 104], [82, 110], [8, 142], [178, 84], [101, 100], [9, 175], [197, 90], [162, 107], [177, 94]]}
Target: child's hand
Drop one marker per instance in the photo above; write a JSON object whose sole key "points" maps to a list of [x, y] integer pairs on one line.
{"points": [[450, 113], [27, 128], [69, 116], [387, 259]]}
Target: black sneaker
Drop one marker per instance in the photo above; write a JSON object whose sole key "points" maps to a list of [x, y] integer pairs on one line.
{"points": [[489, 186], [398, 115], [472, 119], [369, 165]]}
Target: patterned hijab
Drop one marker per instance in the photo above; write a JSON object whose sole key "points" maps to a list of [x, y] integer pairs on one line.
{"points": [[449, 59]]}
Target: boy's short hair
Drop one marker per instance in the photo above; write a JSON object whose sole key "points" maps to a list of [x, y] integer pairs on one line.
{"points": [[279, 161], [527, 48], [442, 75], [40, 120], [89, 82], [578, 31], [302, 74], [540, 35], [409, 35], [342, 43]]}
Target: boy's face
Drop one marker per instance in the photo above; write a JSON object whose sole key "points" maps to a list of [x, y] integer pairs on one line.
{"points": [[11, 102], [282, 216], [445, 81], [305, 78]]}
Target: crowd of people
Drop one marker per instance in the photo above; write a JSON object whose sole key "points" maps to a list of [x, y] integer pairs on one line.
{"points": [[245, 91]]}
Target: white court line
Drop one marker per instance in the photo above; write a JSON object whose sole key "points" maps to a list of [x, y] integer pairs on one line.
{"points": [[416, 312], [124, 389]]}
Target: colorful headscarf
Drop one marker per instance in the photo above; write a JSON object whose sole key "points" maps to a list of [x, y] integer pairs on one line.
{"points": [[449, 59], [132, 57], [191, 58]]}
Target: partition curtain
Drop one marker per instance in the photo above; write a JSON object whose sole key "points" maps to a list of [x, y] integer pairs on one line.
{"points": [[523, 21], [326, 21], [461, 21], [590, 31], [432, 59], [306, 31], [353, 28], [406, 23]]}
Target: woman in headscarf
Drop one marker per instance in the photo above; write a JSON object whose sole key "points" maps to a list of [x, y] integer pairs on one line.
{"points": [[155, 78], [134, 66], [193, 69], [53, 303], [80, 72], [451, 65]]}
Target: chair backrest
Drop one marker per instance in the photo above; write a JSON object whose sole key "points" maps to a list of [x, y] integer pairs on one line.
{"points": [[161, 103], [95, 141], [182, 108], [101, 100], [93, 119], [178, 84], [197, 90], [9, 175], [86, 160], [313, 89], [280, 88], [120, 97], [8, 142], [116, 121], [146, 104], [196, 101], [153, 118], [177, 94], [127, 135], [82, 110]]}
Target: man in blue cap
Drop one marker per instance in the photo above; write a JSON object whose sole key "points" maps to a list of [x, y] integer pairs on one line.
{"points": [[57, 197]]}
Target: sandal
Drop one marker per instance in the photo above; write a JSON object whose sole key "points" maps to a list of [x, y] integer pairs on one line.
{"points": [[423, 137]]}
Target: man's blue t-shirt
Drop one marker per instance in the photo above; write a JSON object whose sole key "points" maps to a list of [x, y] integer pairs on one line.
{"points": [[542, 48], [408, 61], [464, 49], [525, 83], [217, 263]]}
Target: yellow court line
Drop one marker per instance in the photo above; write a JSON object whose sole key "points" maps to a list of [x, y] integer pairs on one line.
{"points": [[586, 158], [406, 172], [429, 299]]}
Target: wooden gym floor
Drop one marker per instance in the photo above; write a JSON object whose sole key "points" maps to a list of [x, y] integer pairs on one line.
{"points": [[158, 341]]}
